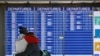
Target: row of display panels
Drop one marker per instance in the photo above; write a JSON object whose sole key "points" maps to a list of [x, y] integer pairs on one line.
{"points": [[61, 30]]}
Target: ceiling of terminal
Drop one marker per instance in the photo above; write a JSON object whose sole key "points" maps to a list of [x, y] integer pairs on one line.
{"points": [[49, 1]]}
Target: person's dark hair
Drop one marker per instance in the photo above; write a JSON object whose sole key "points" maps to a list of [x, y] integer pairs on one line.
{"points": [[22, 30]]}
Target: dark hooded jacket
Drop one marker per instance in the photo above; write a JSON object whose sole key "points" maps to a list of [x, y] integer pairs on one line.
{"points": [[32, 48]]}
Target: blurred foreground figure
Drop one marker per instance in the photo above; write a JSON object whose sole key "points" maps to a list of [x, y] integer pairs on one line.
{"points": [[21, 43], [27, 44]]}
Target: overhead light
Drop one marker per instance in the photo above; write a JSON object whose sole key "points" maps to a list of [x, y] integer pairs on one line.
{"points": [[2, 1], [82, 1], [97, 1], [38, 2], [16, 2], [61, 1]]}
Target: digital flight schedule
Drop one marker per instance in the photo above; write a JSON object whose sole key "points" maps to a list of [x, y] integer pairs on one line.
{"points": [[62, 31], [96, 31]]}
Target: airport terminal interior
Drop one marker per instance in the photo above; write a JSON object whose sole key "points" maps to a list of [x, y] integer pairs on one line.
{"points": [[63, 27]]}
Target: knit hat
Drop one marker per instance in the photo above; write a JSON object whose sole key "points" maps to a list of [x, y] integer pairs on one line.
{"points": [[22, 30]]}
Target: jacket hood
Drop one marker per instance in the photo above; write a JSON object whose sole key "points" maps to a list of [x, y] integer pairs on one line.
{"points": [[31, 39]]}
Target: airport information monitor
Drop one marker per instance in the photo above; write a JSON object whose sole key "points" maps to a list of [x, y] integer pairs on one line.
{"points": [[62, 31]]}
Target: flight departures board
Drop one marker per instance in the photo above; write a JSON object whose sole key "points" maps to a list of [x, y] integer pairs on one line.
{"points": [[63, 31]]}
